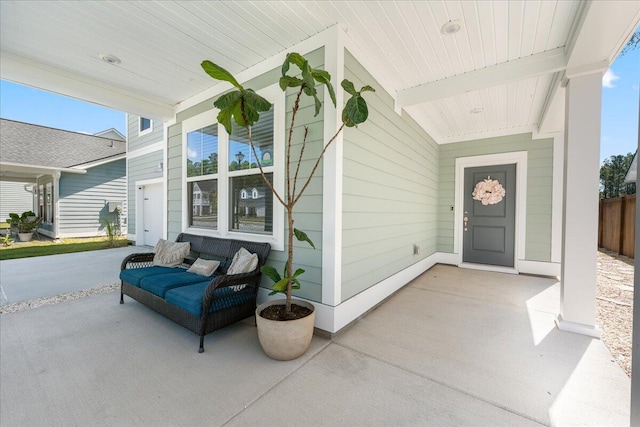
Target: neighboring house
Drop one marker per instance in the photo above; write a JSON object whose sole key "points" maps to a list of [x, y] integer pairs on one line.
{"points": [[78, 181], [15, 197]]}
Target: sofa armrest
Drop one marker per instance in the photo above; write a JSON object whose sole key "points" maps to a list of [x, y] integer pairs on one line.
{"points": [[137, 260], [250, 279]]}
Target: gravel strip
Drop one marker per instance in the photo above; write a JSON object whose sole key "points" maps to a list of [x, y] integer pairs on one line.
{"points": [[614, 305], [39, 302]]}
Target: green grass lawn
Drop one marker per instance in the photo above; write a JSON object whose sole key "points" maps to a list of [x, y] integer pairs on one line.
{"points": [[37, 248]]}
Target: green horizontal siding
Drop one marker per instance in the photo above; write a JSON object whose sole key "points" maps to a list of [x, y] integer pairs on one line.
{"points": [[390, 188], [539, 185], [135, 142], [139, 169]]}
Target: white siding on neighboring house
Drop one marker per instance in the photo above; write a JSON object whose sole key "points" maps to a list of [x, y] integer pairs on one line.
{"points": [[14, 198]]}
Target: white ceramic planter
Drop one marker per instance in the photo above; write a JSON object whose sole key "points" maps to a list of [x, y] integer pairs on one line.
{"points": [[25, 237], [285, 340]]}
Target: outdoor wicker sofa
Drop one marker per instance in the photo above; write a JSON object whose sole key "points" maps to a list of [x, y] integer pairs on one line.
{"points": [[200, 304]]}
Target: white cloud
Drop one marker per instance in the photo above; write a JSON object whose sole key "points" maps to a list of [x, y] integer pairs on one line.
{"points": [[608, 79], [635, 87], [191, 154]]}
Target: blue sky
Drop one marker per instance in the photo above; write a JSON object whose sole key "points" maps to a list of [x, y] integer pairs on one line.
{"points": [[620, 91], [26, 104], [619, 134]]}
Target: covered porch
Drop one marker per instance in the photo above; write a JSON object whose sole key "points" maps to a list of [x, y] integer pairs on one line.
{"points": [[453, 347], [461, 72]]}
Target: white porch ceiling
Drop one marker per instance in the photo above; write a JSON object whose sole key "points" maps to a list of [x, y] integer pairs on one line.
{"points": [[507, 60]]}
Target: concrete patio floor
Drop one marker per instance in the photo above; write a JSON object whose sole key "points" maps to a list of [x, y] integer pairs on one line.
{"points": [[454, 347]]}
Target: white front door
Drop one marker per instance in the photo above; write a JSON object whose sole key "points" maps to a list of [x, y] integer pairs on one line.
{"points": [[151, 227]]}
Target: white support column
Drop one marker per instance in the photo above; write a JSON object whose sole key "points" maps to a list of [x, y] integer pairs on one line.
{"points": [[332, 175], [56, 204], [580, 213]]}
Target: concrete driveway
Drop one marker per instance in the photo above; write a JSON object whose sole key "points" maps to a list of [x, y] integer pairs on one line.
{"points": [[30, 278]]}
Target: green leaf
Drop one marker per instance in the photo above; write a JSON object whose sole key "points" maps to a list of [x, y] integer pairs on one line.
{"points": [[298, 272], [271, 273], [318, 104], [356, 109], [224, 118], [288, 81], [255, 101], [219, 73], [367, 88], [306, 75], [227, 99], [348, 87], [302, 237], [237, 115], [324, 77], [292, 58], [281, 285], [345, 119]]}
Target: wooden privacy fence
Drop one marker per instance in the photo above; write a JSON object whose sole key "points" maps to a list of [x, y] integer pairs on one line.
{"points": [[616, 225]]}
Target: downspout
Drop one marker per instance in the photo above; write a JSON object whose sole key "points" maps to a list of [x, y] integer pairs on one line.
{"points": [[56, 202]]}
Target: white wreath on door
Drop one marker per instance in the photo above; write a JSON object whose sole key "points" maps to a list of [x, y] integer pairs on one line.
{"points": [[489, 192]]}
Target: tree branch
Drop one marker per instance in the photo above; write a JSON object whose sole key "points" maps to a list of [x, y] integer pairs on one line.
{"points": [[313, 171]]}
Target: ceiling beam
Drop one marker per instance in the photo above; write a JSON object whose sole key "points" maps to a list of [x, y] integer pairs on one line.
{"points": [[25, 71], [547, 62]]}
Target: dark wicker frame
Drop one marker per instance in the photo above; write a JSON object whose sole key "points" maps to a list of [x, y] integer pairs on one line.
{"points": [[206, 247]]}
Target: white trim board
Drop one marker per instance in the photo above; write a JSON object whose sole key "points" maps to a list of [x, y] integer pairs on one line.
{"points": [[520, 159], [151, 148], [333, 318]]}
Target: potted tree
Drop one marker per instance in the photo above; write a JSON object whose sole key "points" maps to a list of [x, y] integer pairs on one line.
{"points": [[25, 223], [285, 327]]}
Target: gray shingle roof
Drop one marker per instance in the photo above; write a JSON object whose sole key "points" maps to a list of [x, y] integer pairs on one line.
{"points": [[34, 145]]}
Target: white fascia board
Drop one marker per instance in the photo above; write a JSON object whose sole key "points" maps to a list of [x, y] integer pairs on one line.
{"points": [[151, 148], [533, 129], [25, 71], [100, 162], [539, 64], [22, 168]]}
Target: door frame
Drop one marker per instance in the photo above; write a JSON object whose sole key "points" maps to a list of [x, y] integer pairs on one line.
{"points": [[520, 160], [140, 206]]}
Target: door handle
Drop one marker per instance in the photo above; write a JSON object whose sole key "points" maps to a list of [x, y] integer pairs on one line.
{"points": [[466, 221]]}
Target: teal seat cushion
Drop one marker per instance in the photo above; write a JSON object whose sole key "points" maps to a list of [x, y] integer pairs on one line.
{"points": [[190, 297], [159, 285], [133, 275]]}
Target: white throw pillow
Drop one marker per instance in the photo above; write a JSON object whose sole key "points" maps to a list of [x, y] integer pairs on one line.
{"points": [[204, 267], [243, 262], [170, 254]]}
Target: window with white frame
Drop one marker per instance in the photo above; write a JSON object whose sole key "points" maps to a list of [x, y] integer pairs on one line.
{"points": [[144, 126], [225, 192], [202, 177]]}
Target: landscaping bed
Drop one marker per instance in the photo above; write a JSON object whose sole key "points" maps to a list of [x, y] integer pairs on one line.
{"points": [[54, 247]]}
